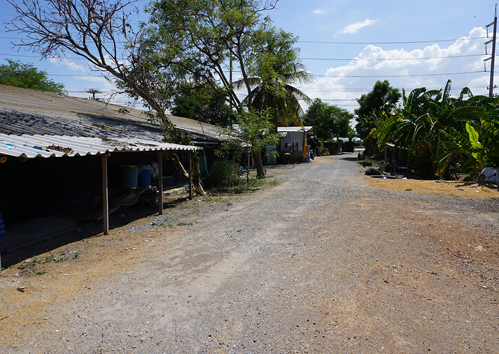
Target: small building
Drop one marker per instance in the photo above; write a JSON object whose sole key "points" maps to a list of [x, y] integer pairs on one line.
{"points": [[58, 153], [293, 142]]}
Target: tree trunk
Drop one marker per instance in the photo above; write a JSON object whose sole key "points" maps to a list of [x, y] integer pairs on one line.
{"points": [[260, 171], [196, 180], [196, 176]]}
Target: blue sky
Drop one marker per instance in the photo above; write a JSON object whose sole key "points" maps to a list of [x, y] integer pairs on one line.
{"points": [[346, 45]]}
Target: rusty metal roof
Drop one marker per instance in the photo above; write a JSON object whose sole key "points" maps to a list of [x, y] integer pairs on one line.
{"points": [[24, 111], [31, 146]]}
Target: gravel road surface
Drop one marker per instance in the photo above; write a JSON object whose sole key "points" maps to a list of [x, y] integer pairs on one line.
{"points": [[320, 263]]}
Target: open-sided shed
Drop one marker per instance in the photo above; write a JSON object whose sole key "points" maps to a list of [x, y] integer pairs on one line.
{"points": [[67, 149]]}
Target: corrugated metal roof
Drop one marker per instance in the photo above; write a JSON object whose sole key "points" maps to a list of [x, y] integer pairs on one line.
{"points": [[294, 129], [24, 111], [31, 146], [283, 131]]}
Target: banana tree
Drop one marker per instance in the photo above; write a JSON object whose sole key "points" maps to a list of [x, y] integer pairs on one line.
{"points": [[419, 124], [474, 149]]}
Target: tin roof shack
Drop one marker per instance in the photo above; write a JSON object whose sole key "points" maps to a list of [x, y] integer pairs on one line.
{"points": [[24, 111], [293, 146], [59, 152]]}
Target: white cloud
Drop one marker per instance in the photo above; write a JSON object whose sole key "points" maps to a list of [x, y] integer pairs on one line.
{"points": [[342, 85], [354, 28], [319, 12], [67, 63]]}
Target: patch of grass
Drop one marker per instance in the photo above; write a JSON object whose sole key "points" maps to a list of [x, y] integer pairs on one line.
{"points": [[61, 257], [184, 224], [40, 273]]}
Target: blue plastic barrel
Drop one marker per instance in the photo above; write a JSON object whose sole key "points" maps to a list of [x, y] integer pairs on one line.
{"points": [[145, 172]]}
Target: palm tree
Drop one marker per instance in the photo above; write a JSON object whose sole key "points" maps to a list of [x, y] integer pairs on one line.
{"points": [[286, 104], [273, 75]]}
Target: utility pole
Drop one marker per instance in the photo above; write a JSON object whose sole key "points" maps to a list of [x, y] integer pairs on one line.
{"points": [[493, 57], [93, 92]]}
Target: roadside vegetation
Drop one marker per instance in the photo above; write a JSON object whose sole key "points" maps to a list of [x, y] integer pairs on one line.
{"points": [[437, 135]]}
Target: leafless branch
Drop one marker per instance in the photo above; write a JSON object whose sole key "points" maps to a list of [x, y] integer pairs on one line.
{"points": [[97, 30]]}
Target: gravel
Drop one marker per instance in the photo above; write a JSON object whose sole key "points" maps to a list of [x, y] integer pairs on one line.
{"points": [[320, 263]]}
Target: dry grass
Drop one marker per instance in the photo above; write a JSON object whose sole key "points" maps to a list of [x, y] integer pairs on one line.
{"points": [[469, 190]]}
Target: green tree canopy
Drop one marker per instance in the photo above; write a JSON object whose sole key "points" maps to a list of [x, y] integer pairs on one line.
{"points": [[375, 107], [329, 120], [196, 41], [272, 76], [28, 76], [200, 104]]}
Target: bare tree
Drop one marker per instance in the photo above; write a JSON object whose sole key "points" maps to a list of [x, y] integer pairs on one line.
{"points": [[99, 31]]}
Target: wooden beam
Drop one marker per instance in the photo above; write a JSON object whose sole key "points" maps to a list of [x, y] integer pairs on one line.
{"points": [[105, 195], [190, 174], [160, 182]]}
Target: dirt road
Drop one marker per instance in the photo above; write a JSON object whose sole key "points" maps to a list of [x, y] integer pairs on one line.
{"points": [[321, 263]]}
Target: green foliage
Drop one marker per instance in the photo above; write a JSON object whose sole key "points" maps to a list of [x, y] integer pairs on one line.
{"points": [[323, 151], [329, 121], [61, 257], [375, 107], [193, 40], [253, 131], [222, 174], [441, 131], [201, 104], [271, 75], [27, 76]]}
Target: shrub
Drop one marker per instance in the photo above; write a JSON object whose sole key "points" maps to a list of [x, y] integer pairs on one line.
{"points": [[222, 174], [323, 151]]}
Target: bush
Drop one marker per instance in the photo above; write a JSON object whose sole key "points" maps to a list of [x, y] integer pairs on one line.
{"points": [[323, 151], [222, 174]]}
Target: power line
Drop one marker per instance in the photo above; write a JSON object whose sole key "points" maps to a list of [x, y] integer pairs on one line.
{"points": [[383, 7], [408, 75], [333, 76], [406, 88], [364, 43], [408, 42], [391, 59]]}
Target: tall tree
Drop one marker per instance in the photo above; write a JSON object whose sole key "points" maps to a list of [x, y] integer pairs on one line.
{"points": [[28, 76], [375, 107], [329, 121], [199, 39], [99, 31], [272, 77]]}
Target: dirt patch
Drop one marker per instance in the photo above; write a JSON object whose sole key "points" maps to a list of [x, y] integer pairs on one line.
{"points": [[470, 190]]}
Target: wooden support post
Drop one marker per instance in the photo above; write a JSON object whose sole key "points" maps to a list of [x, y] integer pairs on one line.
{"points": [[190, 174], [160, 182], [105, 195]]}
